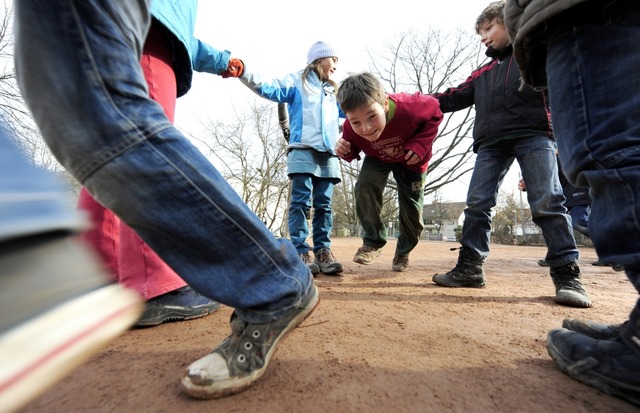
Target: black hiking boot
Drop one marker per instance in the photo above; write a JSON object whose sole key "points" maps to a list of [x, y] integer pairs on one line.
{"points": [[569, 291], [467, 272], [610, 366]]}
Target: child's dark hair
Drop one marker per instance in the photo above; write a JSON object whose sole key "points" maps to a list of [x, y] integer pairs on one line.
{"points": [[494, 10], [360, 90]]}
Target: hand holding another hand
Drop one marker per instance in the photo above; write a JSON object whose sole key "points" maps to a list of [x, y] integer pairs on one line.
{"points": [[234, 69]]}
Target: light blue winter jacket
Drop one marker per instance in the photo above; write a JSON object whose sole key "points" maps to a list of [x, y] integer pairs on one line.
{"points": [[179, 17], [313, 109]]}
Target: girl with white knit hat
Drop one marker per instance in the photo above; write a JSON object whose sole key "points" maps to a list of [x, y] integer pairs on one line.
{"points": [[312, 164]]}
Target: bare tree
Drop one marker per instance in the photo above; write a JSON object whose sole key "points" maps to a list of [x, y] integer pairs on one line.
{"points": [[252, 153]]}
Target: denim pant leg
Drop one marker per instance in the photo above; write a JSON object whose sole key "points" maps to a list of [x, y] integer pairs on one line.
{"points": [[537, 159], [91, 105], [369, 189], [491, 166], [411, 202], [299, 209], [596, 107], [322, 213], [580, 215]]}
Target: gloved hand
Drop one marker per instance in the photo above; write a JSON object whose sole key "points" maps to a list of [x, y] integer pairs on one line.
{"points": [[234, 69]]}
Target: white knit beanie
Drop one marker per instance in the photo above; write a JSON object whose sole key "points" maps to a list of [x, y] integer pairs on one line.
{"points": [[320, 50]]}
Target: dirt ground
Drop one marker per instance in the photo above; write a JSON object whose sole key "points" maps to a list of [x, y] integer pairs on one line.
{"points": [[379, 341]]}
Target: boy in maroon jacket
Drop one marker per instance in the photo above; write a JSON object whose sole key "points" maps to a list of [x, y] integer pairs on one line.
{"points": [[396, 133]]}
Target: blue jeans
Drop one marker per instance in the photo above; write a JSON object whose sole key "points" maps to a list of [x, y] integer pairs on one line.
{"points": [[580, 215], [91, 104], [306, 188], [370, 186], [537, 159], [596, 112]]}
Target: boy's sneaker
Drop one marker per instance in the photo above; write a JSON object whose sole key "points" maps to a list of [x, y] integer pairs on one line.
{"points": [[327, 262], [178, 305], [313, 267], [58, 309], [593, 329], [468, 271], [242, 358], [400, 262], [608, 365], [366, 254], [543, 263], [569, 291]]}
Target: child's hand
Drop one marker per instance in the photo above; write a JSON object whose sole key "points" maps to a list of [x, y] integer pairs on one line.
{"points": [[343, 148], [411, 158], [234, 69], [521, 185]]}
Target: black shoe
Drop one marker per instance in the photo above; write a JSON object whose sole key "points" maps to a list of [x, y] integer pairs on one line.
{"points": [[607, 365], [599, 331], [178, 305], [543, 263], [569, 291], [614, 267], [468, 271]]}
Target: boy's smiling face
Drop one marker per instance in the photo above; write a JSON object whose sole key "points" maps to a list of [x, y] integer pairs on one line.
{"points": [[369, 121], [493, 34]]}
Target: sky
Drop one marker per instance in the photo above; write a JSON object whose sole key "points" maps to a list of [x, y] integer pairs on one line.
{"points": [[272, 38]]}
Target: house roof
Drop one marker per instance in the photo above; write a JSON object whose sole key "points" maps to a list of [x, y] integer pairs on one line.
{"points": [[447, 210]]}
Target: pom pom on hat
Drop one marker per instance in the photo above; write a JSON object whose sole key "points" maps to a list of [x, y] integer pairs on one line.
{"points": [[320, 50]]}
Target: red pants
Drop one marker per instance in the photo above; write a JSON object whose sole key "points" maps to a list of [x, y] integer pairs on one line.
{"points": [[125, 255]]}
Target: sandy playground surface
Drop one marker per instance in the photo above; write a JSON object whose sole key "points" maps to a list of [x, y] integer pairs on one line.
{"points": [[379, 341]]}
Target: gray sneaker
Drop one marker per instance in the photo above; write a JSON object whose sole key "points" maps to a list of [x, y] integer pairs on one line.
{"points": [[366, 254], [400, 262], [307, 259], [242, 358], [327, 262]]}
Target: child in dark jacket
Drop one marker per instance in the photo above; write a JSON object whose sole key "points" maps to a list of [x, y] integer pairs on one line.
{"points": [[512, 122]]}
